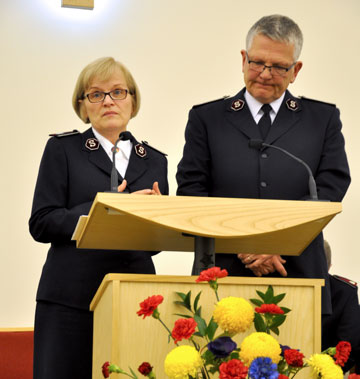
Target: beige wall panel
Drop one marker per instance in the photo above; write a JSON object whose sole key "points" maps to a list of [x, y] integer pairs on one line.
{"points": [[181, 53]]}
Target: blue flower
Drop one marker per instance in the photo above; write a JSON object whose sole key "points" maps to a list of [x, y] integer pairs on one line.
{"points": [[222, 347], [263, 368]]}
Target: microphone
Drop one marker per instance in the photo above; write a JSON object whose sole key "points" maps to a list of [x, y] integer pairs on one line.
{"points": [[124, 136], [259, 145]]}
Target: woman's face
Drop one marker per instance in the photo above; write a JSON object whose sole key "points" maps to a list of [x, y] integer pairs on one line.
{"points": [[109, 117]]}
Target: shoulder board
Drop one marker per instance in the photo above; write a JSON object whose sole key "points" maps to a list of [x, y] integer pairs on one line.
{"points": [[345, 280], [153, 148], [65, 134], [317, 101], [211, 101]]}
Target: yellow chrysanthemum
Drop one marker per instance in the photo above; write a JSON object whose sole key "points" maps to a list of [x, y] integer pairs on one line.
{"points": [[233, 314], [324, 365], [182, 361], [259, 345]]}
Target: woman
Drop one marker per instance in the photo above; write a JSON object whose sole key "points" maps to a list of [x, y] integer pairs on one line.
{"points": [[74, 167]]}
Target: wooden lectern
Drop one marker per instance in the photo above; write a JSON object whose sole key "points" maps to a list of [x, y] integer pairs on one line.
{"points": [[173, 223], [124, 338]]}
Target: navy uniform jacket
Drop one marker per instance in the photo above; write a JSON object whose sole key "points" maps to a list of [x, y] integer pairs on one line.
{"points": [[217, 161], [70, 175], [344, 323]]}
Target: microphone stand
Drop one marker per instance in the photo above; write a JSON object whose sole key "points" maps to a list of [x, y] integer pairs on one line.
{"points": [[312, 183], [124, 136], [259, 145]]}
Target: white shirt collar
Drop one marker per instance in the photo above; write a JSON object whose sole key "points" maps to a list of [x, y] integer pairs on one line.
{"points": [[124, 146], [255, 106], [122, 157]]}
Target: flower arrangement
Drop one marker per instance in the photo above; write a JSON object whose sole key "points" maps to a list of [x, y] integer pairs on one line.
{"points": [[212, 351]]}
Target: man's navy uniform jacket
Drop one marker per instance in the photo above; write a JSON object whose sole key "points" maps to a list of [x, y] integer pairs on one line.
{"points": [[344, 323], [217, 161], [72, 170]]}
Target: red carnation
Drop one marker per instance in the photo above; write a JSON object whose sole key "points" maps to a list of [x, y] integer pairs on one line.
{"points": [[149, 305], [294, 358], [105, 369], [282, 376], [354, 376], [184, 328], [343, 349], [211, 274], [145, 368], [269, 308], [233, 369]]}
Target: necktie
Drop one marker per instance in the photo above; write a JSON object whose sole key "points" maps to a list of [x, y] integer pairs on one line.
{"points": [[265, 121]]}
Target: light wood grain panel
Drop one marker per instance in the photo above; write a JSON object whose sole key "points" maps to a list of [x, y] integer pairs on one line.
{"points": [[133, 222], [146, 339], [20, 329], [85, 4]]}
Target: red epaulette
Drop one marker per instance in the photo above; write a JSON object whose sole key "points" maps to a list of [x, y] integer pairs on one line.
{"points": [[345, 280]]}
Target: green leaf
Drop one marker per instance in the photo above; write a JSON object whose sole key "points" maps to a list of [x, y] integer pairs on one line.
{"points": [[181, 303], [186, 303], [196, 301], [187, 300], [261, 294], [275, 330], [257, 302], [286, 310], [211, 329], [282, 365], [198, 334], [198, 312], [181, 295], [208, 356], [181, 315], [213, 370], [201, 324], [259, 323], [269, 295], [278, 298], [133, 373], [278, 320]]}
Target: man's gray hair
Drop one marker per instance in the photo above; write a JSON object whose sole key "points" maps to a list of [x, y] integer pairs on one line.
{"points": [[327, 250], [278, 28]]}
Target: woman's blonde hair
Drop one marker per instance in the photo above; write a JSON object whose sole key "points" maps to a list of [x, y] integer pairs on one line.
{"points": [[102, 69]]}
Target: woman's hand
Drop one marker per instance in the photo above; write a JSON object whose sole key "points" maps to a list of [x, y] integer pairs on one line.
{"points": [[154, 191]]}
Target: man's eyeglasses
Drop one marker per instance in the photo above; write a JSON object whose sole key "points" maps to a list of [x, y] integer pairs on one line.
{"points": [[274, 70], [116, 94]]}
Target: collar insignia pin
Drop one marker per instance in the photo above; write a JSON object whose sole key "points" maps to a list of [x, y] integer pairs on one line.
{"points": [[92, 144], [140, 150], [237, 105], [292, 104]]}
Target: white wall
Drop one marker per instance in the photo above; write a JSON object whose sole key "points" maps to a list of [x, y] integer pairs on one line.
{"points": [[181, 53]]}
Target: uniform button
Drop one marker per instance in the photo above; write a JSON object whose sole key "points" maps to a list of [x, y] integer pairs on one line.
{"points": [[264, 155], [263, 184]]}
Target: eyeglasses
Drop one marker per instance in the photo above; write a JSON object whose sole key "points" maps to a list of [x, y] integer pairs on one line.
{"points": [[274, 70], [116, 94]]}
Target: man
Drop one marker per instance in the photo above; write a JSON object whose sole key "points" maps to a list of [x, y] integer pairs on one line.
{"points": [[218, 161], [344, 322]]}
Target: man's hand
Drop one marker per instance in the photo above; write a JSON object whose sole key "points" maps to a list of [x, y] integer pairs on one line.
{"points": [[263, 264]]}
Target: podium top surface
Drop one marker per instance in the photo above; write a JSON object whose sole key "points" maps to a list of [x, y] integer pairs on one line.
{"points": [[229, 280], [140, 222]]}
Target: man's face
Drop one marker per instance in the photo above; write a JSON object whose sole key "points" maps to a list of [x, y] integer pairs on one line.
{"points": [[265, 86]]}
